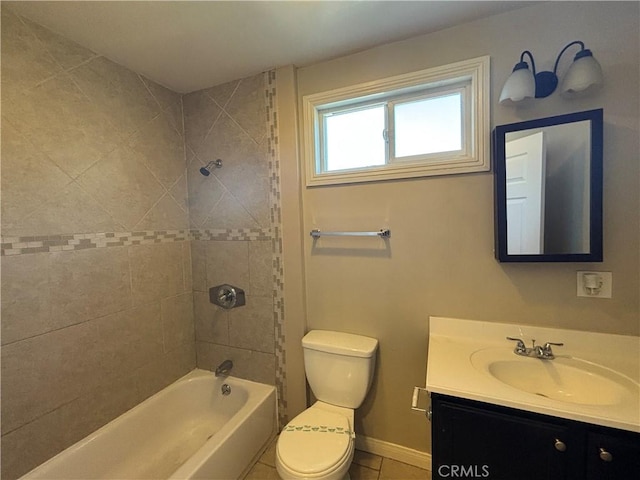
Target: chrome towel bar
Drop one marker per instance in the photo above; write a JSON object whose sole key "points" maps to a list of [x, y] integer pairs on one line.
{"points": [[382, 233]]}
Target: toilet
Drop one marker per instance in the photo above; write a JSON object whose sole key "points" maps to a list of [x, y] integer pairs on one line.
{"points": [[319, 442]]}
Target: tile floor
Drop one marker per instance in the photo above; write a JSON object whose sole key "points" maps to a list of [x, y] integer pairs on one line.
{"points": [[365, 466]]}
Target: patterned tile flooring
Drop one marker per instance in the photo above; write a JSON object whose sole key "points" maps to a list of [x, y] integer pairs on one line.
{"points": [[365, 466]]}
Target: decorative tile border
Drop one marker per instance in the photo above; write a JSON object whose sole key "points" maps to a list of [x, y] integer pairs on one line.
{"points": [[270, 82], [243, 234], [81, 241]]}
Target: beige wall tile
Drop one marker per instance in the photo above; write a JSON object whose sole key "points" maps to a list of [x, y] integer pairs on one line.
{"points": [[162, 95], [166, 214], [26, 297], [247, 106], [228, 262], [180, 192], [261, 268], [87, 284], [58, 118], [251, 326], [123, 185], [66, 53], [200, 113], [119, 93], [222, 93], [129, 339], [29, 177], [186, 266], [228, 212], [71, 210], [156, 271], [25, 61], [199, 265], [211, 321], [161, 148], [177, 321], [42, 373]]}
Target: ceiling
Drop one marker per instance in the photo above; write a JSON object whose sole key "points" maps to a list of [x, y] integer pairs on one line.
{"points": [[191, 45]]}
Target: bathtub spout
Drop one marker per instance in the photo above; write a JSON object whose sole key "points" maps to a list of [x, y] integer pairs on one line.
{"points": [[224, 368]]}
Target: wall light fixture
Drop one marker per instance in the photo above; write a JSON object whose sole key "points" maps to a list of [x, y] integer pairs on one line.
{"points": [[583, 77]]}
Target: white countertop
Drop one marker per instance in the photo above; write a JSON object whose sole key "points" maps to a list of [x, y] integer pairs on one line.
{"points": [[450, 371]]}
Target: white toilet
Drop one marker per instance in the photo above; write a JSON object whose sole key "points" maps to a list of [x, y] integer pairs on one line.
{"points": [[319, 443]]}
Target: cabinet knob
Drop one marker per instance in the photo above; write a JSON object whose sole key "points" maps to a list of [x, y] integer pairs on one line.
{"points": [[605, 456], [560, 445]]}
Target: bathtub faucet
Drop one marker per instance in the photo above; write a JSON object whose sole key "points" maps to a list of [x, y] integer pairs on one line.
{"points": [[224, 368]]}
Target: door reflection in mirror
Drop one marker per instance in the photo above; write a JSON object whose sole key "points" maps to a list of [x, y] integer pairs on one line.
{"points": [[548, 198]]}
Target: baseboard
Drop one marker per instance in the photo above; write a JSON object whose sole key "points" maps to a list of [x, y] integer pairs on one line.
{"points": [[393, 451]]}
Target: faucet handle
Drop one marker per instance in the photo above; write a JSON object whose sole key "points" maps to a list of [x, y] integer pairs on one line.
{"points": [[546, 352], [520, 346]]}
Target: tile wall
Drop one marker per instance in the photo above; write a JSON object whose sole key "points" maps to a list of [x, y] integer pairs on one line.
{"points": [[232, 220], [111, 238], [97, 309]]}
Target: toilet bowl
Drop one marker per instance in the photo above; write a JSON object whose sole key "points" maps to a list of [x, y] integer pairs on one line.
{"points": [[317, 444]]}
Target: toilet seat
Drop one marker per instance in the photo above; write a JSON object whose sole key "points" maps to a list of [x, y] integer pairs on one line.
{"points": [[316, 443]]}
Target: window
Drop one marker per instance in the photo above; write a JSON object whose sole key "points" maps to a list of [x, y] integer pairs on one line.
{"points": [[431, 122]]}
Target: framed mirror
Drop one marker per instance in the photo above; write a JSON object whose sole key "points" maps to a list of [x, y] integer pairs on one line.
{"points": [[548, 189]]}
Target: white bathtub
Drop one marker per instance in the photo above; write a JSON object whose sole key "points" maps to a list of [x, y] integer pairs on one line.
{"points": [[188, 430]]}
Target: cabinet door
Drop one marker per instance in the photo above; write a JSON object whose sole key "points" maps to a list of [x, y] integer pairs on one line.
{"points": [[613, 456], [496, 444]]}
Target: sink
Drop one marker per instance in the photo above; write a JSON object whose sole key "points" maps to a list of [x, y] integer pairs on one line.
{"points": [[564, 379]]}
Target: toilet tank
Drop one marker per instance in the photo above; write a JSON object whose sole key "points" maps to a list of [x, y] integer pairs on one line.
{"points": [[339, 366]]}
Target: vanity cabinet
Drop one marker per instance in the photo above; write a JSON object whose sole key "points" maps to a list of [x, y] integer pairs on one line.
{"points": [[478, 440]]}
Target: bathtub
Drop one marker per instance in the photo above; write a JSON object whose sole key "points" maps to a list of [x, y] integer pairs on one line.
{"points": [[188, 430]]}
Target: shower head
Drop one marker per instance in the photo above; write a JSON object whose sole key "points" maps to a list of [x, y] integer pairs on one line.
{"points": [[213, 163]]}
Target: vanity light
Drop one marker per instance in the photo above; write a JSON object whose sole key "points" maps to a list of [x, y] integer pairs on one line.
{"points": [[584, 76]]}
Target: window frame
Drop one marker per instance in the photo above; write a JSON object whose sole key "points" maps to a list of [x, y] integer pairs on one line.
{"points": [[471, 75]]}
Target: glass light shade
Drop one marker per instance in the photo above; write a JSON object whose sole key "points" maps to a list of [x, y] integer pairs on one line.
{"points": [[519, 86], [583, 77]]}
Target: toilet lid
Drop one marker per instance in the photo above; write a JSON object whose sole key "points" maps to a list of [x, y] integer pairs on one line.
{"points": [[315, 441]]}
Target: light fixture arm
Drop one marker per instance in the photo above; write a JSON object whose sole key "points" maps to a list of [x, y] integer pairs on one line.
{"points": [[576, 42], [533, 63]]}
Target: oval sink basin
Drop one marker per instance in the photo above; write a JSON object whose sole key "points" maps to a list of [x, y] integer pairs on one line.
{"points": [[563, 379]]}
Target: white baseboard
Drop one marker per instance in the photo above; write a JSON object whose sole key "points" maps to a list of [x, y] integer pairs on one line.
{"points": [[393, 451]]}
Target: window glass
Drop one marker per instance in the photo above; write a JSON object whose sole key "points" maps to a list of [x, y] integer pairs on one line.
{"points": [[354, 138], [428, 125]]}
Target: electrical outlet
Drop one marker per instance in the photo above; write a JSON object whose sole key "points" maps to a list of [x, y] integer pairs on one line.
{"points": [[594, 284]]}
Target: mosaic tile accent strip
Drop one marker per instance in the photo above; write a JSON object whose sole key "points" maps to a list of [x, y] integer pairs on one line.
{"points": [[80, 241], [243, 234], [270, 82]]}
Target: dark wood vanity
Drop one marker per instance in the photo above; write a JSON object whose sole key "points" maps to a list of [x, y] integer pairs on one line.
{"points": [[473, 439]]}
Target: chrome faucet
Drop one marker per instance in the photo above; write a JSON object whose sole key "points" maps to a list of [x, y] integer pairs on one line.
{"points": [[224, 368], [543, 352]]}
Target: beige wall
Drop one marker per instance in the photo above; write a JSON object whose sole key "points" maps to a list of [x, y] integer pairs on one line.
{"points": [[439, 259], [88, 147]]}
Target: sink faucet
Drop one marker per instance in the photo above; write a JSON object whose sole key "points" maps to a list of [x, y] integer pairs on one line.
{"points": [[537, 351], [224, 368]]}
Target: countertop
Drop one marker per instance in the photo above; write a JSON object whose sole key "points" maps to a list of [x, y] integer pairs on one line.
{"points": [[450, 371]]}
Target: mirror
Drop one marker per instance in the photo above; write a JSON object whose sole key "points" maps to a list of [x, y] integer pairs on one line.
{"points": [[548, 189]]}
